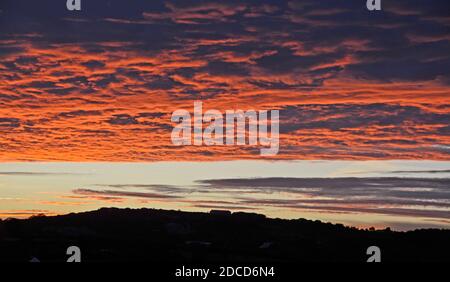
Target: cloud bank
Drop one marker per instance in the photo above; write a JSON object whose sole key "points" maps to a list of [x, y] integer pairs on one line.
{"points": [[100, 85], [392, 196]]}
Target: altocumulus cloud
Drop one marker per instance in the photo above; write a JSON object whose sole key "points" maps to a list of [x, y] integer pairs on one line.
{"points": [[349, 83]]}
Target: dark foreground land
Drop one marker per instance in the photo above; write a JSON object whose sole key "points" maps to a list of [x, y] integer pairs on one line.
{"points": [[158, 235]]}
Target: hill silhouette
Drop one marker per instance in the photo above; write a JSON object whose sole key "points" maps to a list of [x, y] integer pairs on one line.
{"points": [[112, 234]]}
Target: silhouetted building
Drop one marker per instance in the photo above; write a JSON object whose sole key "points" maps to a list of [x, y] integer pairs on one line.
{"points": [[220, 212]]}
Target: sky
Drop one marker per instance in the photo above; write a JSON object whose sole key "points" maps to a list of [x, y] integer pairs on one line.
{"points": [[400, 194], [95, 89]]}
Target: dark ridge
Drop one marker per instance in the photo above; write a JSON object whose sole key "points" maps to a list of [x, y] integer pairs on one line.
{"points": [[149, 235]]}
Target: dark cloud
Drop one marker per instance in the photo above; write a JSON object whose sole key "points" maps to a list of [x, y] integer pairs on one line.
{"points": [[402, 69], [396, 191], [162, 83], [316, 24], [333, 183], [114, 193], [414, 197], [350, 201], [226, 69], [103, 80], [93, 64], [122, 119], [223, 207], [97, 133], [9, 50], [76, 80], [420, 171], [79, 113], [9, 122], [339, 116], [285, 61], [166, 189]]}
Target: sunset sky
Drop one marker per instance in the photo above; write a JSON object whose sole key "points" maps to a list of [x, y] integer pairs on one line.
{"points": [[86, 99]]}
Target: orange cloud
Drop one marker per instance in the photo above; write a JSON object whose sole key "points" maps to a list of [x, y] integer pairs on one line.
{"points": [[343, 91]]}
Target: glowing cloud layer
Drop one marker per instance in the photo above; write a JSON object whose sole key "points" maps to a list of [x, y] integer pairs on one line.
{"points": [[101, 84]]}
